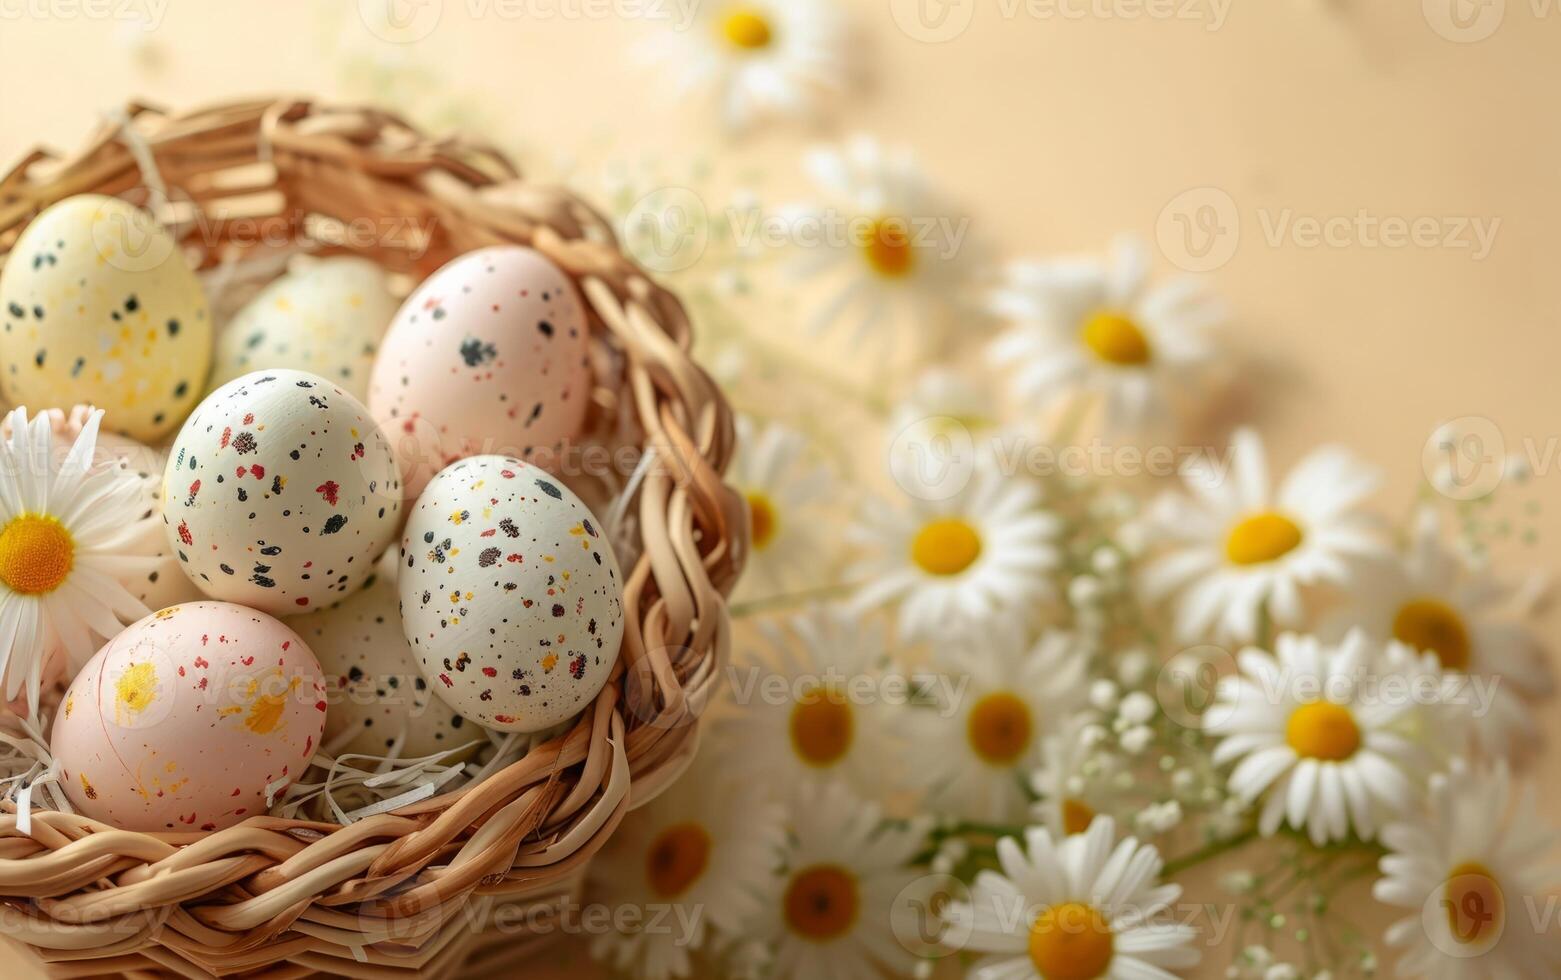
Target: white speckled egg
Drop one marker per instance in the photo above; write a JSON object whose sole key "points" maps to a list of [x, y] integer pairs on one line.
{"points": [[488, 356], [97, 305], [280, 493], [376, 691], [510, 594], [325, 316], [182, 721]]}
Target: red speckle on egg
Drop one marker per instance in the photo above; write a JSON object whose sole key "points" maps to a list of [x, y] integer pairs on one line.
{"points": [[319, 706], [236, 791], [489, 672], [184, 534], [227, 434], [302, 600]]}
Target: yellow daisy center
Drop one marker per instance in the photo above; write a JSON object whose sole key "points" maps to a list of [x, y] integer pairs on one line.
{"points": [[821, 727], [888, 248], [1433, 627], [821, 902], [677, 858], [747, 28], [37, 554], [1076, 816], [999, 728], [761, 511], [1262, 538], [1072, 941], [946, 546], [1115, 339], [1476, 908], [1323, 730]]}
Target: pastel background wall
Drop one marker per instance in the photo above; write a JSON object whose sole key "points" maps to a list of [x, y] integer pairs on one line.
{"points": [[1226, 132]]}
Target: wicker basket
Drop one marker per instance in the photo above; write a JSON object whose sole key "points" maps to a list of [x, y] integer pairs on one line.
{"points": [[482, 874]]}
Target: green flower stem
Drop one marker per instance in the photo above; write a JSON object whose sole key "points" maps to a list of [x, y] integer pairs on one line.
{"points": [[788, 600], [1208, 852]]}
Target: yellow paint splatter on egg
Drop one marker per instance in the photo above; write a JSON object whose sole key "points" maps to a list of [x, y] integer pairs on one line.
{"points": [[135, 690]]}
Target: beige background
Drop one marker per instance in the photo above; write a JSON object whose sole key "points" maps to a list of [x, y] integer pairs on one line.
{"points": [[1054, 133]]}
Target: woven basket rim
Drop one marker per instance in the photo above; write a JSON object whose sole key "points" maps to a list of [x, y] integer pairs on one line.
{"points": [[384, 894]]}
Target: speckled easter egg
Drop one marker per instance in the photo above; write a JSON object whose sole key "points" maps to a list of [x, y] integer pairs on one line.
{"points": [[489, 355], [182, 721], [510, 594], [280, 493], [325, 316], [98, 306], [376, 691]]}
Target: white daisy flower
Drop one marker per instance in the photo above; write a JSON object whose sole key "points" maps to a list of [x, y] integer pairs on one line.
{"points": [[892, 251], [1434, 601], [696, 863], [1334, 735], [843, 874], [66, 551], [784, 492], [1478, 872], [1088, 906], [976, 561], [1236, 548], [984, 738], [761, 58], [819, 703], [1098, 327], [1064, 780]]}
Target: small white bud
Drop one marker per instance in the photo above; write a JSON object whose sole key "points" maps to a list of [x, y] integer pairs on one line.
{"points": [[1136, 740], [1138, 708], [1103, 695]]}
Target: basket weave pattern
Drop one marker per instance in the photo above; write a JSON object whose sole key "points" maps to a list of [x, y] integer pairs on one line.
{"points": [[439, 883]]}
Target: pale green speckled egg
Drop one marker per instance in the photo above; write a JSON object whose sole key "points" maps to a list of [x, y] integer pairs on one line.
{"points": [[98, 306], [325, 316]]}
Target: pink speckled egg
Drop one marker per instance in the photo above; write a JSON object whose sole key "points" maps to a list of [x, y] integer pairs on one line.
{"points": [[488, 356], [182, 721]]}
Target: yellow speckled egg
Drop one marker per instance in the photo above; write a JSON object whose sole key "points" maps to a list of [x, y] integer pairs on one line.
{"points": [[185, 719], [325, 316], [97, 305]]}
